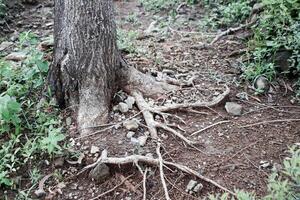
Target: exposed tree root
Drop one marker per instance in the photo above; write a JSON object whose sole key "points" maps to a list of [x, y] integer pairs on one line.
{"points": [[104, 159], [153, 125], [231, 30]]}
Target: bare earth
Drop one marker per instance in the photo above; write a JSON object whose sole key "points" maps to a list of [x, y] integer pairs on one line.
{"points": [[235, 156]]}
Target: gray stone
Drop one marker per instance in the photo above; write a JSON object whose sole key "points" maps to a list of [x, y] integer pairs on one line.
{"points": [[59, 162], [134, 141], [142, 140], [16, 56], [94, 149], [191, 185], [131, 124], [198, 187], [257, 7], [5, 45], [68, 121], [130, 101], [100, 173], [233, 108], [261, 84], [123, 107], [130, 134]]}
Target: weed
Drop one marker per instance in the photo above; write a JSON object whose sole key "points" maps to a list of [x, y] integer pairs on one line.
{"points": [[29, 127], [126, 40]]}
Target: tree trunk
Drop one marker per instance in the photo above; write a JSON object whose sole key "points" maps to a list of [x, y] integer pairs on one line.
{"points": [[87, 62], [85, 58]]}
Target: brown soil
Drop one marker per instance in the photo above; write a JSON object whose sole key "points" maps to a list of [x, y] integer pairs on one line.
{"points": [[232, 154]]}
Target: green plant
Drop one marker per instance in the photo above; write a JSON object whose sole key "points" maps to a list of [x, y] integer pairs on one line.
{"points": [[2, 9], [29, 126], [225, 13], [278, 31], [126, 40]]}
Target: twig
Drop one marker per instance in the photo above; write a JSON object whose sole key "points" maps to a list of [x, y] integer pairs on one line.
{"points": [[161, 172], [144, 184], [230, 31], [40, 191], [271, 121], [151, 161], [208, 127], [113, 189], [198, 104]]}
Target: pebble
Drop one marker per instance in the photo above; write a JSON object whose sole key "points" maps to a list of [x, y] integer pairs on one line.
{"points": [[131, 124], [100, 172], [234, 108], [191, 185], [94, 149], [130, 101], [142, 140], [123, 107], [5, 45], [261, 84], [130, 134]]}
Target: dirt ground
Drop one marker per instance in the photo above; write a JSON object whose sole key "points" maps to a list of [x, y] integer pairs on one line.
{"points": [[233, 155]]}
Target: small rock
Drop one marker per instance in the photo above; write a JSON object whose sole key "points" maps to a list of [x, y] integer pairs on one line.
{"points": [[5, 45], [134, 141], [131, 124], [130, 101], [120, 142], [261, 84], [16, 56], [233, 108], [40, 193], [242, 96], [142, 140], [100, 173], [191, 185], [130, 134], [123, 107], [151, 28], [257, 7], [94, 149], [68, 121], [264, 164], [198, 187], [59, 162]]}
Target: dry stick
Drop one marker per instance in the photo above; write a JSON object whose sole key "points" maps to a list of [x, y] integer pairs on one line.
{"points": [[148, 116], [198, 104], [271, 121], [107, 128], [161, 171], [113, 189], [144, 184], [231, 30], [208, 127], [152, 161]]}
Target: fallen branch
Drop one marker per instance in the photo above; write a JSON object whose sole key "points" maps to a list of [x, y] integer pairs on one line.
{"points": [[151, 161], [161, 172], [113, 189], [230, 31], [208, 127]]}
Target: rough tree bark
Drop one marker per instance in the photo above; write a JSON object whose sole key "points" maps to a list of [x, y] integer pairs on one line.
{"points": [[87, 62]]}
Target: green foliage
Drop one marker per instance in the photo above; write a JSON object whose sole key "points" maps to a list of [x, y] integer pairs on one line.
{"points": [[126, 40], [278, 30], [29, 126], [2, 9], [282, 185], [225, 13]]}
